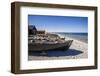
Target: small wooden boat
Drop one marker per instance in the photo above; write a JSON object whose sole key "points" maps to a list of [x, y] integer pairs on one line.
{"points": [[45, 46], [43, 41]]}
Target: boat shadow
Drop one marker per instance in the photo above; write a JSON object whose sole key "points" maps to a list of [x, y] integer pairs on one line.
{"points": [[56, 53]]}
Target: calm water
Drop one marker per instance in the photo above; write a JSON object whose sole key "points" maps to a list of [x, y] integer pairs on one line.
{"points": [[78, 36]]}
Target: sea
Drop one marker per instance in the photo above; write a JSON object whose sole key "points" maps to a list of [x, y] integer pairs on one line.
{"points": [[78, 36]]}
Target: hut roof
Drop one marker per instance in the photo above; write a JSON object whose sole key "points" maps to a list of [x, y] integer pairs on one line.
{"points": [[32, 27]]}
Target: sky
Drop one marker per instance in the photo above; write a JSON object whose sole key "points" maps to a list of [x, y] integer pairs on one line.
{"points": [[59, 23]]}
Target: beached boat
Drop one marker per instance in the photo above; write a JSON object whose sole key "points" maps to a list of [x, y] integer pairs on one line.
{"points": [[46, 45], [39, 40]]}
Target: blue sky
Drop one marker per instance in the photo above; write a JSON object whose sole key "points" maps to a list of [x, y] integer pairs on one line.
{"points": [[59, 23]]}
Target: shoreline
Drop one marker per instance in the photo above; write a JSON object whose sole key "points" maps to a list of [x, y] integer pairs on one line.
{"points": [[70, 38], [76, 44]]}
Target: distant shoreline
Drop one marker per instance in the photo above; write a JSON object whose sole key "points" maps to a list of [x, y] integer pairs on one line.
{"points": [[76, 36]]}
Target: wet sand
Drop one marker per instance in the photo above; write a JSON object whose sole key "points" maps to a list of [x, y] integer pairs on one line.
{"points": [[77, 45]]}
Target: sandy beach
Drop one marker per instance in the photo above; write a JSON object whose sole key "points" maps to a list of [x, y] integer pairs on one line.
{"points": [[77, 45]]}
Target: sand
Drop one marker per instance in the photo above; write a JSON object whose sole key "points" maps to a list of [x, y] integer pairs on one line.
{"points": [[77, 45]]}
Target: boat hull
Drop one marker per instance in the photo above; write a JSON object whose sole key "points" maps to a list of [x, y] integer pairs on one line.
{"points": [[46, 47]]}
